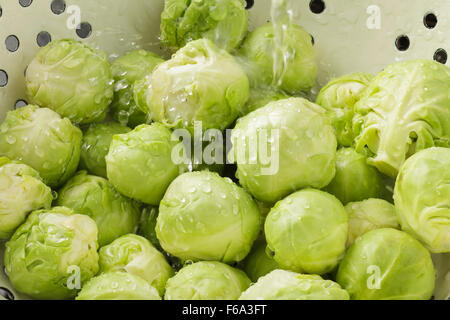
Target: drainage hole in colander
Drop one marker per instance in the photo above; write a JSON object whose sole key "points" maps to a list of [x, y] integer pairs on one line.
{"points": [[317, 6], [312, 39], [20, 104], [5, 293], [43, 38], [12, 43], [430, 20], [250, 4], [402, 43], [3, 78], [58, 6], [1, 11], [440, 56], [84, 30], [25, 3]]}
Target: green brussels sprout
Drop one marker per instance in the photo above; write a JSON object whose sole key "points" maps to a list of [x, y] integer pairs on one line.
{"points": [[387, 264], [355, 179], [118, 286], [52, 254], [136, 255], [422, 198], [72, 79], [442, 266], [21, 192], [139, 164], [96, 142], [200, 83], [126, 70], [114, 214], [307, 232], [43, 140], [224, 22], [147, 226], [339, 97], [369, 215], [207, 281], [404, 110], [206, 217], [302, 149], [287, 285], [261, 97], [258, 263], [298, 71]]}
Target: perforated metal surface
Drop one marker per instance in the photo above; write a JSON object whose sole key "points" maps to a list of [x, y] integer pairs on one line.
{"points": [[350, 35]]}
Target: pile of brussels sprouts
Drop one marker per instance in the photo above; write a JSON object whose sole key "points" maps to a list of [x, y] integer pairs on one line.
{"points": [[93, 205]]}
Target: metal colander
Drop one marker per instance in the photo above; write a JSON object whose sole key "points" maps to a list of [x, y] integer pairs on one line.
{"points": [[349, 35]]}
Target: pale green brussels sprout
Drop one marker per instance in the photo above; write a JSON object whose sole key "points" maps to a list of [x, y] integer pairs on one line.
{"points": [[295, 148], [206, 217], [296, 70], [72, 79], [259, 263], [140, 165], [40, 138], [147, 225], [118, 286], [387, 264], [114, 214], [207, 281], [422, 198], [442, 266], [224, 22], [126, 70], [136, 255], [52, 254], [21, 192], [307, 232], [355, 179], [96, 142], [287, 285], [404, 110], [339, 97], [369, 215], [200, 83], [260, 97]]}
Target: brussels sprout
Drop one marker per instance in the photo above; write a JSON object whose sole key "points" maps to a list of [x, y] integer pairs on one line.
{"points": [[200, 83], [126, 70], [259, 263], [339, 97], [206, 217], [261, 97], [442, 265], [96, 142], [404, 110], [224, 22], [139, 164], [114, 214], [387, 264], [147, 225], [307, 232], [43, 140], [207, 281], [21, 192], [301, 144], [287, 285], [369, 215], [355, 180], [422, 198], [72, 79], [298, 71], [52, 254], [118, 286], [136, 255]]}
